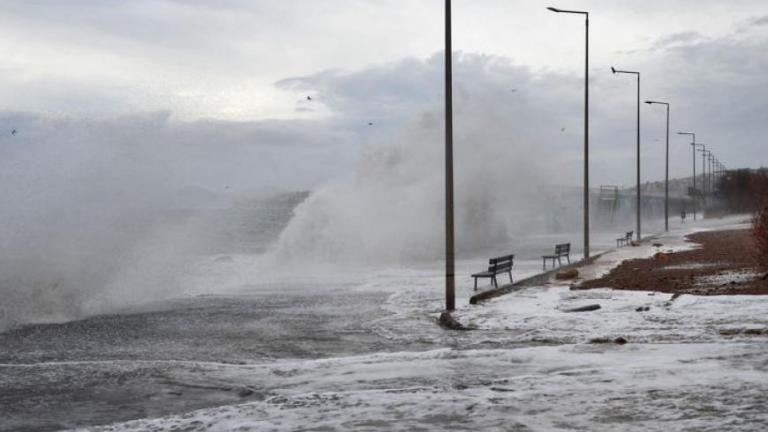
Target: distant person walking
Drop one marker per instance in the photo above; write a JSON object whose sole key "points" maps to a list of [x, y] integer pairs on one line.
{"points": [[682, 216]]}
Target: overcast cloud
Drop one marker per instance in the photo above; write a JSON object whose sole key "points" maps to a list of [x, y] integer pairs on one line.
{"points": [[373, 61]]}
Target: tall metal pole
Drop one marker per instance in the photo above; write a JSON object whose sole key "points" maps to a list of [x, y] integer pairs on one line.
{"points": [[666, 169], [666, 179], [709, 172], [720, 173], [709, 178], [639, 235], [704, 170], [586, 139], [693, 159], [450, 295], [703, 174], [586, 124], [695, 200], [703, 196], [717, 173], [639, 202]]}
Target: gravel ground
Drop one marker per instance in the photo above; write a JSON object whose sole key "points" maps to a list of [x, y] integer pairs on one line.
{"points": [[725, 264]]}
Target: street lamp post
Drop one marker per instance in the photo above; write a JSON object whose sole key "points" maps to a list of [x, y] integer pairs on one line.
{"points": [[705, 170], [450, 296], [615, 71], [709, 175], [586, 125], [666, 169], [703, 152], [717, 175], [693, 152], [720, 171], [712, 174]]}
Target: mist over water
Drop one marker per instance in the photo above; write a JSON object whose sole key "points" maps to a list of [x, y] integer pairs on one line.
{"points": [[518, 169], [104, 214], [393, 208], [101, 215]]}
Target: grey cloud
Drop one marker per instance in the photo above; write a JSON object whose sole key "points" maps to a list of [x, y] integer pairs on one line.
{"points": [[759, 21], [676, 39]]}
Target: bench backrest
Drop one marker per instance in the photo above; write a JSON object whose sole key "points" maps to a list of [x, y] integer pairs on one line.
{"points": [[629, 234], [563, 249], [502, 263]]}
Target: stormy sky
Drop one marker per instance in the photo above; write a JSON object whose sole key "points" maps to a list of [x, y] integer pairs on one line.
{"points": [[214, 93]]}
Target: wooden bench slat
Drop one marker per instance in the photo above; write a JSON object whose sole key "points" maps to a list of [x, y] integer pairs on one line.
{"points": [[502, 264], [562, 250]]}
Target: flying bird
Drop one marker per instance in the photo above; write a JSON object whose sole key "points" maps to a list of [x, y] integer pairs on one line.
{"points": [[309, 98], [370, 123], [562, 129], [14, 132]]}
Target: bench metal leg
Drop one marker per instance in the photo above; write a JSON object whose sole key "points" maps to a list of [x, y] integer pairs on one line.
{"points": [[475, 284], [495, 283], [568, 257], [510, 277]]}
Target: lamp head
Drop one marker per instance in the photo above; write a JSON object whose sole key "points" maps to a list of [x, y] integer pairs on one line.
{"points": [[613, 69], [553, 9]]}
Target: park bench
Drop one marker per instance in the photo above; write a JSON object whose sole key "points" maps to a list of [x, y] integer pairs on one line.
{"points": [[626, 240], [561, 250], [497, 265]]}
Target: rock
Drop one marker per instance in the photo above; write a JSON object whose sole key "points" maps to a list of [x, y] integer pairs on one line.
{"points": [[675, 296], [765, 277], [743, 331], [635, 243], [658, 245], [567, 274], [587, 308], [244, 392], [447, 321], [661, 256], [643, 309], [603, 340]]}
